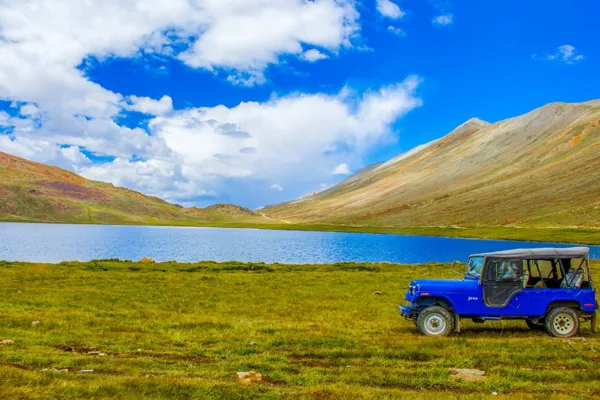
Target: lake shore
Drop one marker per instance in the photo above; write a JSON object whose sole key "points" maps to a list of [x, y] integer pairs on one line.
{"points": [[590, 236], [174, 330]]}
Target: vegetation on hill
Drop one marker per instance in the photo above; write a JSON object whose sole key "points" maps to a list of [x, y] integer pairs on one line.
{"points": [[112, 329], [36, 192], [538, 170]]}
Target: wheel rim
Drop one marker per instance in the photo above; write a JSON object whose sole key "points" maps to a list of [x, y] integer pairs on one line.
{"points": [[563, 323], [435, 324]]}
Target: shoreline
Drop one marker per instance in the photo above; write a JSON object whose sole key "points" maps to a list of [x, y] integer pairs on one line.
{"points": [[584, 236]]}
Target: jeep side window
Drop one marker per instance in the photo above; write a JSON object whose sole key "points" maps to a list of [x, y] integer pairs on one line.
{"points": [[538, 270], [507, 270]]}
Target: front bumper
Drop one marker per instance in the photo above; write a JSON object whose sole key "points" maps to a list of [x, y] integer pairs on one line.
{"points": [[406, 311]]}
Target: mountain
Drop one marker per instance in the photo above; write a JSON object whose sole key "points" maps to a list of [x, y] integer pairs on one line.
{"points": [[541, 169], [31, 191]]}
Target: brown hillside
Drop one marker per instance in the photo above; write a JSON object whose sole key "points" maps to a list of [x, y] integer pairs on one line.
{"points": [[539, 169]]}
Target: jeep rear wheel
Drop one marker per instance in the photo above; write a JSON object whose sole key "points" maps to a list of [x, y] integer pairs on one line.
{"points": [[435, 321], [536, 326], [562, 322]]}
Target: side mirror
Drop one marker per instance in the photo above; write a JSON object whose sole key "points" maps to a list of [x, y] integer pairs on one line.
{"points": [[452, 268]]}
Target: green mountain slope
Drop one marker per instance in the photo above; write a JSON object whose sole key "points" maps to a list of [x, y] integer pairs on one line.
{"points": [[31, 191], [541, 169]]}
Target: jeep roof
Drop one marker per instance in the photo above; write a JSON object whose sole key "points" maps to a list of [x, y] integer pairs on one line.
{"points": [[570, 252]]}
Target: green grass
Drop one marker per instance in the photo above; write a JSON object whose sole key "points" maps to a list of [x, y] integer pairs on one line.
{"points": [[183, 331]]}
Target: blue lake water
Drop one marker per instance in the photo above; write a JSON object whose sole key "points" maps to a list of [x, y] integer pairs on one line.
{"points": [[55, 243]]}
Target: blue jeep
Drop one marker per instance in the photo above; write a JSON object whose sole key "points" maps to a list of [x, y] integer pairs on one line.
{"points": [[550, 289]]}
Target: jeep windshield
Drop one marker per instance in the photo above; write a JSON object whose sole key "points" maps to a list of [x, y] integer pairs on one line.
{"points": [[475, 266]]}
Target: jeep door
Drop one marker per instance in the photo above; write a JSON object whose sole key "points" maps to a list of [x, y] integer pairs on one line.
{"points": [[502, 280]]}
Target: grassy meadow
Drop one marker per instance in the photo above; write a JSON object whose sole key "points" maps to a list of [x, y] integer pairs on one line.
{"points": [[183, 331]]}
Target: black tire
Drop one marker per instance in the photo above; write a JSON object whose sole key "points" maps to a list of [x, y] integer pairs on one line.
{"points": [[536, 326], [435, 321], [562, 322]]}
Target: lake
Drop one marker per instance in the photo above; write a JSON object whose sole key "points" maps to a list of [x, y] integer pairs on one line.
{"points": [[55, 243]]}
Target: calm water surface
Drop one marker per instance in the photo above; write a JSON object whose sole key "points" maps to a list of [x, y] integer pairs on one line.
{"points": [[55, 243]]}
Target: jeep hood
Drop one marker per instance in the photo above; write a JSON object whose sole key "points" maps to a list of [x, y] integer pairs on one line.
{"points": [[445, 285]]}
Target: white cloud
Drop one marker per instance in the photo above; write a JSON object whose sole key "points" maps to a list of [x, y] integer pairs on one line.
{"points": [[341, 169], [443, 19], [43, 42], [565, 53], [294, 140], [149, 106], [276, 187], [313, 55], [247, 36], [389, 9], [396, 31], [29, 110]]}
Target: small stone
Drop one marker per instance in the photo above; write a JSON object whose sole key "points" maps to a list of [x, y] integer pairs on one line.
{"points": [[494, 393], [253, 343], [62, 371], [86, 371], [7, 342], [377, 293], [102, 355], [35, 323], [247, 378]]}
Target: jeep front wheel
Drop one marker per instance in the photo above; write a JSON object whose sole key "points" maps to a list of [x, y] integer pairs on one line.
{"points": [[435, 321], [562, 322]]}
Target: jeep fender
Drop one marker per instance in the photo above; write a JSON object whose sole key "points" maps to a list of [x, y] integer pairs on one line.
{"points": [[565, 303], [427, 301]]}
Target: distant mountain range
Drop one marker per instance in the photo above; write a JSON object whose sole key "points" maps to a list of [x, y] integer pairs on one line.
{"points": [[31, 191], [541, 169], [538, 170]]}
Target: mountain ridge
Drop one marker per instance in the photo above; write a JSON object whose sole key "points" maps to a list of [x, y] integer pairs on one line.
{"points": [[447, 182]]}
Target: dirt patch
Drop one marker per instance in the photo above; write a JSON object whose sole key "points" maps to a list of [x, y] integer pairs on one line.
{"points": [[467, 374], [250, 377]]}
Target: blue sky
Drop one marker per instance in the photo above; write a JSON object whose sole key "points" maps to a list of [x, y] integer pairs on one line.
{"points": [[260, 101]]}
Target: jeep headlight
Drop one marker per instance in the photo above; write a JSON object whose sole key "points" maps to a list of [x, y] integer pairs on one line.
{"points": [[412, 289]]}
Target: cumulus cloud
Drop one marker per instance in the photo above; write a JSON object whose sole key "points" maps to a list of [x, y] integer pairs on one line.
{"points": [[443, 19], [396, 31], [59, 116], [341, 169], [247, 36], [566, 53], [294, 140], [313, 55], [389, 9], [146, 105], [276, 187]]}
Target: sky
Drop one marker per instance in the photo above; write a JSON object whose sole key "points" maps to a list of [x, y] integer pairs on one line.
{"points": [[255, 102]]}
